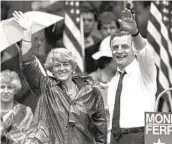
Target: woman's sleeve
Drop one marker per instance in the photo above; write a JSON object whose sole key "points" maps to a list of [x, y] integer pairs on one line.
{"points": [[99, 119], [34, 74]]}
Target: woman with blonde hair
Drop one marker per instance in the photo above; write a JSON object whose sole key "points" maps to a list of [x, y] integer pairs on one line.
{"points": [[15, 117], [70, 109]]}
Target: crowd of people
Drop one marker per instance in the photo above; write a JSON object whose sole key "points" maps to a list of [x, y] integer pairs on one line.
{"points": [[96, 107]]}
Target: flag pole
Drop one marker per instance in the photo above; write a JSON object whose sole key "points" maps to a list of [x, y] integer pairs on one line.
{"points": [[82, 41]]}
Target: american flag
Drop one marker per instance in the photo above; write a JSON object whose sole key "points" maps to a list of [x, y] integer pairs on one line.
{"points": [[73, 37], [159, 35]]}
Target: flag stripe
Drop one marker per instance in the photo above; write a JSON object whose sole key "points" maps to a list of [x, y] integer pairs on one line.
{"points": [[159, 41], [79, 58], [163, 80], [73, 40], [153, 41], [73, 28], [155, 22], [158, 16], [165, 44], [163, 40], [72, 34], [76, 24], [161, 76], [165, 70], [163, 51]]}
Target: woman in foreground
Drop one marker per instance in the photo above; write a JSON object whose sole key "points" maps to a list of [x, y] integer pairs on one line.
{"points": [[70, 109]]}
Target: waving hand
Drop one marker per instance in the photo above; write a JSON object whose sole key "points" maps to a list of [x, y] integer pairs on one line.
{"points": [[128, 23], [22, 20]]}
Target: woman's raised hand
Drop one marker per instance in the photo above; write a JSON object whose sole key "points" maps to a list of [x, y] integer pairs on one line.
{"points": [[23, 20]]}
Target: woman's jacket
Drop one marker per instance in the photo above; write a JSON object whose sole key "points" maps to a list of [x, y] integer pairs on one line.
{"points": [[60, 120]]}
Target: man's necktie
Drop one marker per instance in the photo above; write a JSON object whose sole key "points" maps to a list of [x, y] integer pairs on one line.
{"points": [[116, 112]]}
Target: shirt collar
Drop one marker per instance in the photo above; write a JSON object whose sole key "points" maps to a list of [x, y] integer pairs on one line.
{"points": [[129, 68]]}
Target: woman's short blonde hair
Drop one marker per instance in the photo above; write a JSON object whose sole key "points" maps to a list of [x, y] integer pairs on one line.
{"points": [[11, 77], [60, 55]]}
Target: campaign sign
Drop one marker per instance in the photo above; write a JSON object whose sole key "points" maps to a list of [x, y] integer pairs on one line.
{"points": [[158, 128]]}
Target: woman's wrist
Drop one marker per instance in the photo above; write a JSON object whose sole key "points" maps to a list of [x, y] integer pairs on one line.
{"points": [[27, 35], [29, 41]]}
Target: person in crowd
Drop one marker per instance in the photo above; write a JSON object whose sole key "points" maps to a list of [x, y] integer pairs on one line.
{"points": [[132, 90], [70, 108], [106, 67], [15, 117], [89, 14], [107, 25], [106, 6]]}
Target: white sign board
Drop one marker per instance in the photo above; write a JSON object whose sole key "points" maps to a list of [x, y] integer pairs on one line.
{"points": [[158, 128]]}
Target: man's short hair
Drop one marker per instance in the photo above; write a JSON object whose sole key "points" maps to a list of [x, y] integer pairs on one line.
{"points": [[118, 34], [86, 7], [106, 18]]}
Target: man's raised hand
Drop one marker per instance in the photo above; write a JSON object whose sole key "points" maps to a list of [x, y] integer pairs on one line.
{"points": [[128, 23]]}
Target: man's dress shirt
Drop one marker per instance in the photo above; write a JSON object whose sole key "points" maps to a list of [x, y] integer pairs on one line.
{"points": [[138, 93]]}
